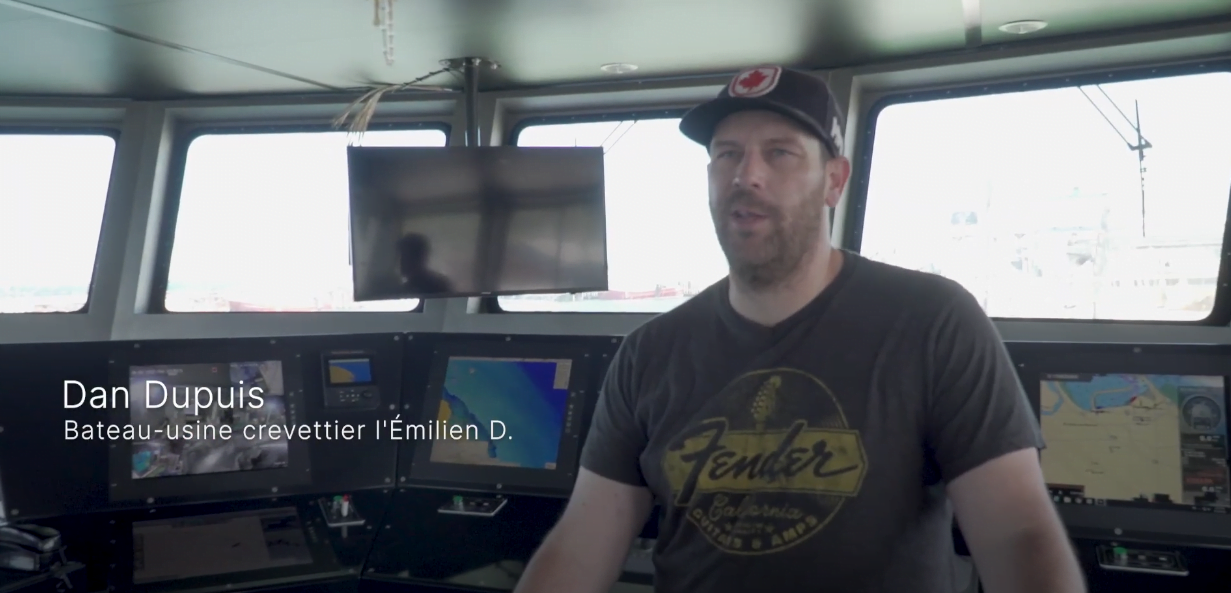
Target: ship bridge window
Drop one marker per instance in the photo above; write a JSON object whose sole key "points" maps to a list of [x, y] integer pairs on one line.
{"points": [[1105, 201], [263, 222], [53, 188], [661, 248]]}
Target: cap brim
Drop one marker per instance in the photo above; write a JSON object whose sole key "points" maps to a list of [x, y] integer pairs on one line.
{"points": [[698, 123]]}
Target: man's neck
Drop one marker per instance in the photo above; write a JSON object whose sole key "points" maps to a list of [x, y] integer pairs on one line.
{"points": [[771, 306]]}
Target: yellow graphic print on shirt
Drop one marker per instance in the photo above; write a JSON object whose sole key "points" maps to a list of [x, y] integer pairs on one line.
{"points": [[770, 465]]}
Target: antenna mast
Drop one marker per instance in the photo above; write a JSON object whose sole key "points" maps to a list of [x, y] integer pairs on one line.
{"points": [[1139, 147]]}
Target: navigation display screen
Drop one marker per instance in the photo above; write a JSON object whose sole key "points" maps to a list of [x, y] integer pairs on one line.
{"points": [[225, 543], [1136, 440], [207, 418], [511, 412], [349, 371]]}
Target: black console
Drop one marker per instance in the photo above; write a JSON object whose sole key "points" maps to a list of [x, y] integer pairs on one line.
{"points": [[432, 460], [227, 546], [1136, 440], [1137, 457], [491, 455], [258, 542], [214, 465]]}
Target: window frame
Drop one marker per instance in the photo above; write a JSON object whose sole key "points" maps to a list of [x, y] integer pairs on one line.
{"points": [[491, 304], [8, 129], [853, 223], [175, 188]]}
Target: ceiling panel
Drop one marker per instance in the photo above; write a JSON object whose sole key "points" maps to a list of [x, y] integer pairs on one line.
{"points": [[1069, 17], [75, 4], [702, 36], [8, 14], [258, 46], [50, 57], [536, 41]]}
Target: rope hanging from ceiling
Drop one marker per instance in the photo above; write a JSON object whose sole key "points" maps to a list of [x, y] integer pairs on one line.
{"points": [[364, 107]]}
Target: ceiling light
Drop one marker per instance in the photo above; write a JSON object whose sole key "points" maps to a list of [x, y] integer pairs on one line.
{"points": [[618, 68], [1023, 27]]}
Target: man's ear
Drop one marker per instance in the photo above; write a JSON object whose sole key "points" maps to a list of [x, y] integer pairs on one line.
{"points": [[837, 174]]}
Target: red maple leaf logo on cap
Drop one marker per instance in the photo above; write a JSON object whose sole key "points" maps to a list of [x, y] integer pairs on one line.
{"points": [[755, 82], [752, 80]]}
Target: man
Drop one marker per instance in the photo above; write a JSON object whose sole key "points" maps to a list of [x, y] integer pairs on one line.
{"points": [[805, 422], [418, 279]]}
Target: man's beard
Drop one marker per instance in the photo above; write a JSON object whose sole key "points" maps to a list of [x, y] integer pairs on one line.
{"points": [[763, 262]]}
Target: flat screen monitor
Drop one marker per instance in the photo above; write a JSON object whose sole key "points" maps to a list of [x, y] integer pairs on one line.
{"points": [[224, 543], [208, 418], [502, 416], [202, 429], [1136, 440], [468, 221]]}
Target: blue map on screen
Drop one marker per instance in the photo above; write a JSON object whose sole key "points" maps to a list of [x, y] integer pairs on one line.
{"points": [[528, 397], [348, 371]]}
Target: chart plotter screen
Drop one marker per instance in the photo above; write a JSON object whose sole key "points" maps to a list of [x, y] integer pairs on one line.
{"points": [[1141, 440], [349, 371], [513, 408]]}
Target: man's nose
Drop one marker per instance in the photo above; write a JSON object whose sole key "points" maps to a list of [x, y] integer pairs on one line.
{"points": [[751, 171]]}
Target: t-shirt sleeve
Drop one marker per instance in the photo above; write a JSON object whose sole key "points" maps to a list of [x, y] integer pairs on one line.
{"points": [[616, 439], [978, 410]]}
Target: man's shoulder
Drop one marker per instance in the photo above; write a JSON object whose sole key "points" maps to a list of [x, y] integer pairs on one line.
{"points": [[906, 288], [699, 310]]}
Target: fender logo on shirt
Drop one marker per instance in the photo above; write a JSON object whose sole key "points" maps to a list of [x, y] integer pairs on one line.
{"points": [[770, 465], [798, 459]]}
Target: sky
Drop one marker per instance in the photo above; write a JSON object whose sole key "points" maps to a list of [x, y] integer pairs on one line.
{"points": [[263, 217]]}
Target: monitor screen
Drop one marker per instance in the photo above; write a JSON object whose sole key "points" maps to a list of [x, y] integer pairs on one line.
{"points": [[1151, 441], [343, 372], [225, 543], [493, 399], [465, 221], [502, 416], [207, 418]]}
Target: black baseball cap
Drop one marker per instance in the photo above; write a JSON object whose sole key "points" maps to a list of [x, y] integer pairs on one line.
{"points": [[797, 95]]}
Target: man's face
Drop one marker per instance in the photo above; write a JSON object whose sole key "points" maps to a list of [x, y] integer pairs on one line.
{"points": [[770, 183], [411, 260], [408, 266]]}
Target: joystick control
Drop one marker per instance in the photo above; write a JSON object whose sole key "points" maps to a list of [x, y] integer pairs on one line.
{"points": [[339, 511]]}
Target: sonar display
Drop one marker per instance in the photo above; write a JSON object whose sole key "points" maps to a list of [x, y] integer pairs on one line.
{"points": [[528, 397], [185, 440]]}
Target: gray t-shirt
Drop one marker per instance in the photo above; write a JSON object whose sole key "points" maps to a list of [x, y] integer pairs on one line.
{"points": [[811, 456]]}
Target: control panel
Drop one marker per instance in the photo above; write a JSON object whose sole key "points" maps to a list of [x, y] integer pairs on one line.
{"points": [[477, 506], [349, 380], [1165, 562], [352, 398], [339, 511]]}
